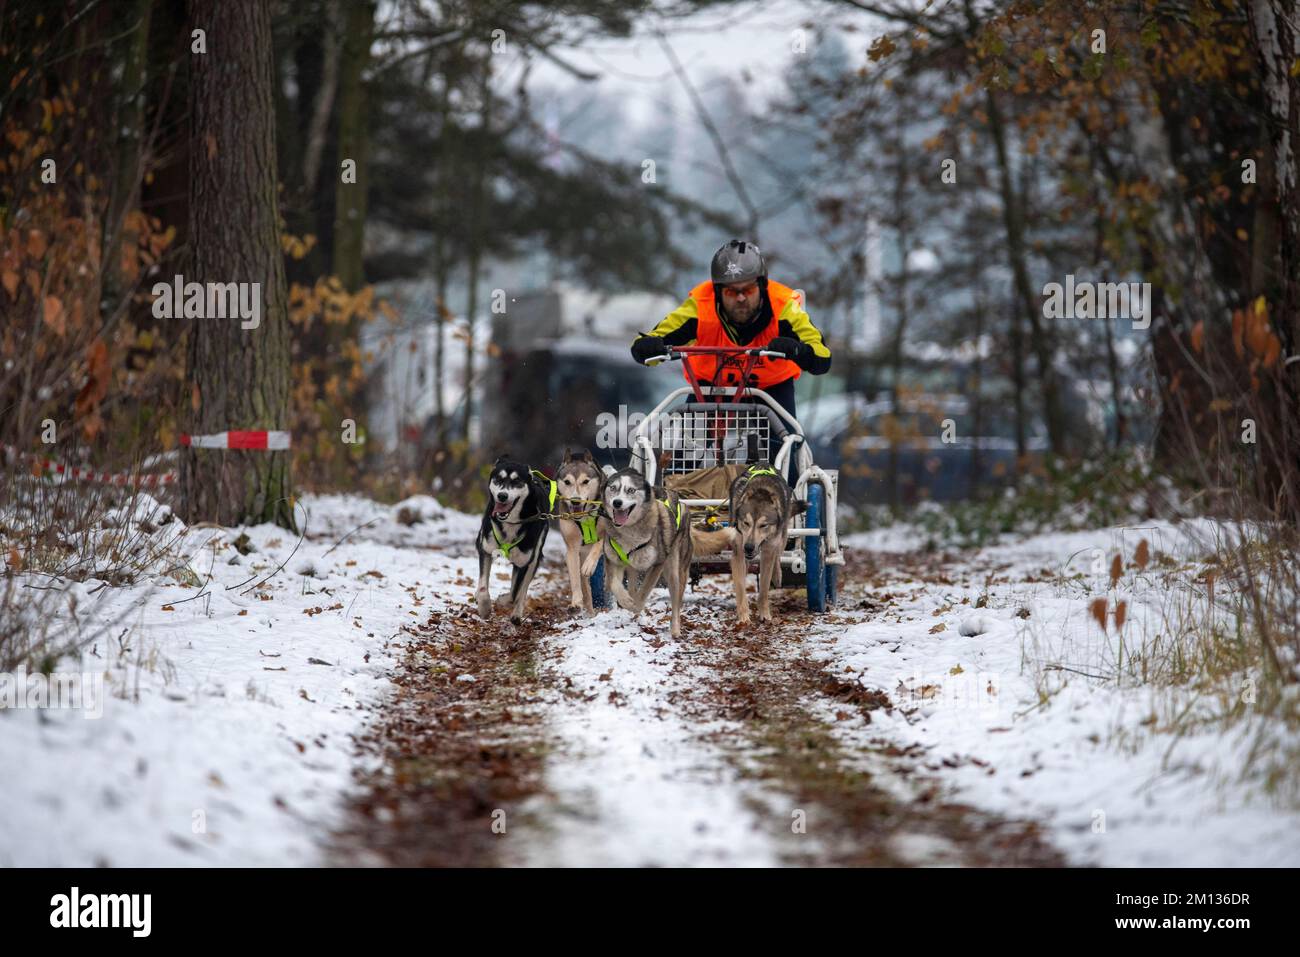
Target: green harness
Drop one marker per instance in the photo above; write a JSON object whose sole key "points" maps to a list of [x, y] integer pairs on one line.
{"points": [[506, 546], [677, 517]]}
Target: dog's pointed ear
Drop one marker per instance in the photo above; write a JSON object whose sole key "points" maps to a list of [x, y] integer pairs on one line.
{"points": [[568, 455], [798, 507], [586, 456]]}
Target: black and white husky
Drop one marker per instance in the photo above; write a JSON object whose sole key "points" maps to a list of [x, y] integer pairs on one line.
{"points": [[514, 526]]}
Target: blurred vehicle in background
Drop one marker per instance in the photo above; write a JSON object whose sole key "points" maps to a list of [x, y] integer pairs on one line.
{"points": [[930, 447], [560, 361]]}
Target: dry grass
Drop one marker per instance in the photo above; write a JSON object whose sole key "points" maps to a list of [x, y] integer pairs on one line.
{"points": [[1210, 634]]}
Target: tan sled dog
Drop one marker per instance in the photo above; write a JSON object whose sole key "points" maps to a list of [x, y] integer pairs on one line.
{"points": [[760, 508], [646, 530], [579, 478]]}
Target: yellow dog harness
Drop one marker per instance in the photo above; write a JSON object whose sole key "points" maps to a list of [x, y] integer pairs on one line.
{"points": [[677, 518]]}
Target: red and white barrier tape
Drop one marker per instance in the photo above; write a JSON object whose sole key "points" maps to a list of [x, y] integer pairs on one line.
{"points": [[90, 475], [270, 441]]}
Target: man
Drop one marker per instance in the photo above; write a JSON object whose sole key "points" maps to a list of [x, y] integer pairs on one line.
{"points": [[739, 306]]}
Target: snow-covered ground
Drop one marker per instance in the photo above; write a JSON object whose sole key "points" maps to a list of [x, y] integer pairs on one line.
{"points": [[631, 783], [225, 735], [1096, 761]]}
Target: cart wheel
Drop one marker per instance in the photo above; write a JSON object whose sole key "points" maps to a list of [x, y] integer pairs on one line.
{"points": [[832, 584], [814, 549], [598, 596]]}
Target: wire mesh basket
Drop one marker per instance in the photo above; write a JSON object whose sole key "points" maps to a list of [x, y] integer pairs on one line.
{"points": [[715, 434]]}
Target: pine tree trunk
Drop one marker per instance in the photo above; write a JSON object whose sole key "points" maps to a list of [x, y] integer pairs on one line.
{"points": [[477, 226], [126, 176], [240, 377], [350, 204]]}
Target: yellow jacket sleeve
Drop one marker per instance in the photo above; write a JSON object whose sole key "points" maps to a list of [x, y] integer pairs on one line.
{"points": [[801, 325], [681, 321]]}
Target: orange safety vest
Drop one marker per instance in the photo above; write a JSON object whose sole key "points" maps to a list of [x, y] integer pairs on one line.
{"points": [[710, 332]]}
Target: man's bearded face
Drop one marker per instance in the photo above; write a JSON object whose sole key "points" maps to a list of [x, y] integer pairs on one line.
{"points": [[741, 300]]}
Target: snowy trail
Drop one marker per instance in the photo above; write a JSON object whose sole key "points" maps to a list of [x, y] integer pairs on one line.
{"points": [[605, 743], [630, 782], [353, 709]]}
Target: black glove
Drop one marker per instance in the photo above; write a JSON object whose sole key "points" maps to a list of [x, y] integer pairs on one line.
{"points": [[792, 349], [648, 347]]}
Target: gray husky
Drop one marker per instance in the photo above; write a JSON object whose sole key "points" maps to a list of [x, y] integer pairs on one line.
{"points": [[646, 530], [579, 478], [760, 508]]}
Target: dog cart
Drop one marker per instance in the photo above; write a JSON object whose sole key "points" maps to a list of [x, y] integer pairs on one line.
{"points": [[701, 429]]}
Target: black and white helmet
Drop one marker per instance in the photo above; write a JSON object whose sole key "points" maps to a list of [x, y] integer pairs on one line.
{"points": [[738, 261]]}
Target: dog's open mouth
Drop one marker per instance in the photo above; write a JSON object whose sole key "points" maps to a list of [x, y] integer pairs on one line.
{"points": [[621, 515], [501, 508]]}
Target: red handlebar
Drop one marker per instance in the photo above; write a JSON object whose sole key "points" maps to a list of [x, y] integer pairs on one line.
{"points": [[751, 353]]}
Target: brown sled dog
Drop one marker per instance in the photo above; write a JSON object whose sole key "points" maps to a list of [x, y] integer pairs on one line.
{"points": [[760, 508], [579, 479]]}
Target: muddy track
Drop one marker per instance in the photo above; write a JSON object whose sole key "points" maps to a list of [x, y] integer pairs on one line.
{"points": [[456, 756], [785, 704], [458, 745]]}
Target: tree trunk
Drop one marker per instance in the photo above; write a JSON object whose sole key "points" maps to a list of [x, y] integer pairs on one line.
{"points": [[323, 104], [240, 377], [900, 327], [1018, 385], [130, 143], [1276, 36], [440, 345], [471, 308], [1013, 220], [353, 113], [476, 226], [977, 390], [442, 275]]}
